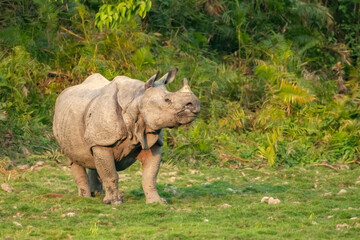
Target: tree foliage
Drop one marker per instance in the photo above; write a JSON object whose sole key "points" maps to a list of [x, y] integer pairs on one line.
{"points": [[112, 15]]}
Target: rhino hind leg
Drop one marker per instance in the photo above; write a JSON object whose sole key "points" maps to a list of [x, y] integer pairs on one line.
{"points": [[81, 179], [94, 182], [105, 166]]}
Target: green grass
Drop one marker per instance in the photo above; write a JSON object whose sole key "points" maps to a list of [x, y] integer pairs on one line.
{"points": [[204, 203]]}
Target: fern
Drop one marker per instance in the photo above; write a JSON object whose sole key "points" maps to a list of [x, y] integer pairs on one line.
{"points": [[235, 118], [269, 153], [270, 116], [293, 94], [312, 13]]}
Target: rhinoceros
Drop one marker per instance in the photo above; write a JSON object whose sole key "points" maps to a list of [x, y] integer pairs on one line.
{"points": [[104, 126]]}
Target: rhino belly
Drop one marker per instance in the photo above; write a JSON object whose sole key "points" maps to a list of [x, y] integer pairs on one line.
{"points": [[125, 162], [125, 154]]}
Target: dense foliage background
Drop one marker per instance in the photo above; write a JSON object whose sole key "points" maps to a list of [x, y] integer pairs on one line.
{"points": [[278, 80]]}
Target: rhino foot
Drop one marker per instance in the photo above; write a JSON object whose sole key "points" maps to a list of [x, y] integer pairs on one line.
{"points": [[118, 200], [160, 200], [114, 202]]}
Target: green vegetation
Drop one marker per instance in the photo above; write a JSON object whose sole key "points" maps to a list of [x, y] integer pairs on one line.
{"points": [[279, 86], [314, 205], [278, 80]]}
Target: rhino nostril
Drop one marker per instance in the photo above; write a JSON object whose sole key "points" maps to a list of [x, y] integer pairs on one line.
{"points": [[189, 105], [167, 100]]}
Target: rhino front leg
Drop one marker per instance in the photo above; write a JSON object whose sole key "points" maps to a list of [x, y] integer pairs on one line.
{"points": [[150, 160], [81, 179], [105, 166]]}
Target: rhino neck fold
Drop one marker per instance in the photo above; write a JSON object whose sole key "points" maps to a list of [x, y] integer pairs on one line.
{"points": [[136, 127], [130, 115]]}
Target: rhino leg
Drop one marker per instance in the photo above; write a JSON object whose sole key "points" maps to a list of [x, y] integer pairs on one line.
{"points": [[105, 166], [81, 179], [94, 182], [150, 160]]}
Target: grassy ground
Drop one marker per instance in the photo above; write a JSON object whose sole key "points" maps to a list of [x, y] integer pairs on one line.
{"points": [[205, 203]]}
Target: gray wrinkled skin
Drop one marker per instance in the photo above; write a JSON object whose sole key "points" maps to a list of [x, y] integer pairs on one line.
{"points": [[105, 126]]}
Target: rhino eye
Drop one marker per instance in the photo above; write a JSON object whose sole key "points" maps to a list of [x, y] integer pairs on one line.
{"points": [[167, 100]]}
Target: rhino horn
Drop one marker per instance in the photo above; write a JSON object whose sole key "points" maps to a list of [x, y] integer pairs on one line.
{"points": [[186, 87]]}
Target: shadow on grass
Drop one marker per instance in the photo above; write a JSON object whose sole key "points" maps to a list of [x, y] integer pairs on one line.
{"points": [[214, 189]]}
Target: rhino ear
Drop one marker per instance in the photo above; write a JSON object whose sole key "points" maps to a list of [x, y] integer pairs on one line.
{"points": [[150, 83], [167, 78]]}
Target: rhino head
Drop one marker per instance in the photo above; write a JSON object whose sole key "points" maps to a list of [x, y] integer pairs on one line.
{"points": [[163, 109]]}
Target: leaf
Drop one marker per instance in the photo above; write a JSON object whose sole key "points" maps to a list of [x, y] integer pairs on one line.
{"points": [[269, 153], [112, 15], [293, 94]]}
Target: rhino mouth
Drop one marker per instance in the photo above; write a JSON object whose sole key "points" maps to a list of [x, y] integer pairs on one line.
{"points": [[186, 116]]}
